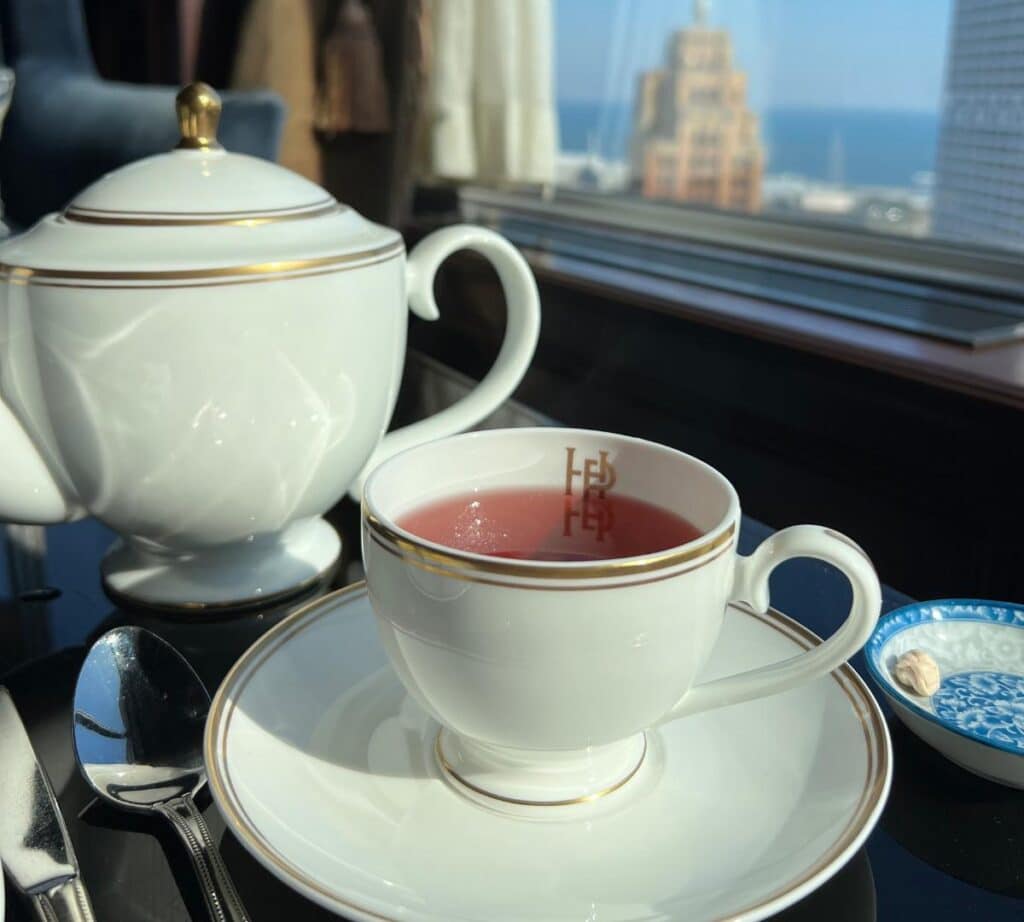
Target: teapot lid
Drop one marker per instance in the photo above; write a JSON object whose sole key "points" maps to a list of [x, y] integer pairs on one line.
{"points": [[199, 182], [194, 211]]}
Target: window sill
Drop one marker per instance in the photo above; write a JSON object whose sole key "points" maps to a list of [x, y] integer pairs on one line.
{"points": [[994, 373], [821, 242]]}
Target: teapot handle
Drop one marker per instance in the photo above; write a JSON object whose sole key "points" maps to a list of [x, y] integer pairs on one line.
{"points": [[521, 331]]}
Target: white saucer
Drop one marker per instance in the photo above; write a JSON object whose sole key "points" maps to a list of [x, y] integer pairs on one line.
{"points": [[325, 770]]}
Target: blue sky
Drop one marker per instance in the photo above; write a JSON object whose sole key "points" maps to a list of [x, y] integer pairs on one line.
{"points": [[856, 54]]}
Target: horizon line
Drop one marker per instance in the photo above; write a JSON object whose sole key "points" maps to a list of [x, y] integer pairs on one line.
{"points": [[808, 107]]}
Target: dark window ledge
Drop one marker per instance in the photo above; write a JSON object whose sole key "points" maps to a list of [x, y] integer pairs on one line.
{"points": [[948, 317], [994, 373]]}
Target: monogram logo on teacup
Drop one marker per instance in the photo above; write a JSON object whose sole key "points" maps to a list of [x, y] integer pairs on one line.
{"points": [[592, 510]]}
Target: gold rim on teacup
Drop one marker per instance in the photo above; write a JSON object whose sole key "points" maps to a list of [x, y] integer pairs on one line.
{"points": [[445, 560], [449, 561]]}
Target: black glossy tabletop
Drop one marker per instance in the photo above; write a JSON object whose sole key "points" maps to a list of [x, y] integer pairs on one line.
{"points": [[949, 846]]}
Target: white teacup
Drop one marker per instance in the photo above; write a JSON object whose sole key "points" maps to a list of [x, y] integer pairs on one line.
{"points": [[545, 675]]}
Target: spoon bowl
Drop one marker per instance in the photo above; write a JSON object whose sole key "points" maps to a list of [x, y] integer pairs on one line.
{"points": [[139, 714]]}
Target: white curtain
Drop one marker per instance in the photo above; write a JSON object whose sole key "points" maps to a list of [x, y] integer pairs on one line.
{"points": [[490, 109]]}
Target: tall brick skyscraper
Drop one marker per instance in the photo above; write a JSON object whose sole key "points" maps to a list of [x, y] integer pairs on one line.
{"points": [[694, 139]]}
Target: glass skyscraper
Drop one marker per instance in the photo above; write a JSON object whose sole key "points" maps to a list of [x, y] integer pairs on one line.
{"points": [[979, 189]]}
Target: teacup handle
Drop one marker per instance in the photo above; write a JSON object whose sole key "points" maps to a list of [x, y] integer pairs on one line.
{"points": [[751, 587], [521, 330]]}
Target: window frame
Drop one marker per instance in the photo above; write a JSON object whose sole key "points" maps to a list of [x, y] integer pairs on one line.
{"points": [[824, 242]]}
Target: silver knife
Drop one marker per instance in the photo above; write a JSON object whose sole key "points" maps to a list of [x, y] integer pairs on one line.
{"points": [[35, 850]]}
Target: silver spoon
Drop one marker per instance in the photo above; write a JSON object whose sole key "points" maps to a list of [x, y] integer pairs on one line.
{"points": [[140, 710]]}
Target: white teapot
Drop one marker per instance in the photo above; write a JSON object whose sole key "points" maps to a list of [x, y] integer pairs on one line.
{"points": [[204, 351]]}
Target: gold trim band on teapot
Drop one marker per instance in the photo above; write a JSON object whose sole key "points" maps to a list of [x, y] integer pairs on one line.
{"points": [[233, 219], [67, 278]]}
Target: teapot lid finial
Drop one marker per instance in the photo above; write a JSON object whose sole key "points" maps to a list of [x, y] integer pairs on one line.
{"points": [[198, 107]]}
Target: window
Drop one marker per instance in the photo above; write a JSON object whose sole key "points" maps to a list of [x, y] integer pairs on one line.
{"points": [[704, 96], [862, 159], [898, 119]]}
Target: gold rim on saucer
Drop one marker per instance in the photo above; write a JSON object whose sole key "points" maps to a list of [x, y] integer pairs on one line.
{"points": [[866, 710]]}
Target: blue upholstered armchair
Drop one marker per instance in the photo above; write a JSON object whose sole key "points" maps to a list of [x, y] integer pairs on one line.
{"points": [[67, 126]]}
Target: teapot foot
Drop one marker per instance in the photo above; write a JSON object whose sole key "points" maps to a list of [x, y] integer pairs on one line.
{"points": [[240, 575]]}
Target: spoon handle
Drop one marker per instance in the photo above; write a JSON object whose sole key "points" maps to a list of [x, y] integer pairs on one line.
{"points": [[67, 902], [221, 896]]}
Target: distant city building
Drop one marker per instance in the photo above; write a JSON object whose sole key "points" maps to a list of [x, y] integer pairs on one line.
{"points": [[694, 139], [590, 173], [979, 184], [882, 209]]}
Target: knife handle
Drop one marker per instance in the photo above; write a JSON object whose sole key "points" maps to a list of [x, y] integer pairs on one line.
{"points": [[222, 899], [67, 902]]}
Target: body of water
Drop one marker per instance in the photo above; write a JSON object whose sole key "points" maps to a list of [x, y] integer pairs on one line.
{"points": [[859, 147]]}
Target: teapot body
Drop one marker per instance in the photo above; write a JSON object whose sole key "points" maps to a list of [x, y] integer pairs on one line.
{"points": [[190, 413], [203, 350]]}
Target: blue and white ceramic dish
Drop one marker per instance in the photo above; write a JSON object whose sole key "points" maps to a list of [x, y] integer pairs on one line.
{"points": [[976, 718]]}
